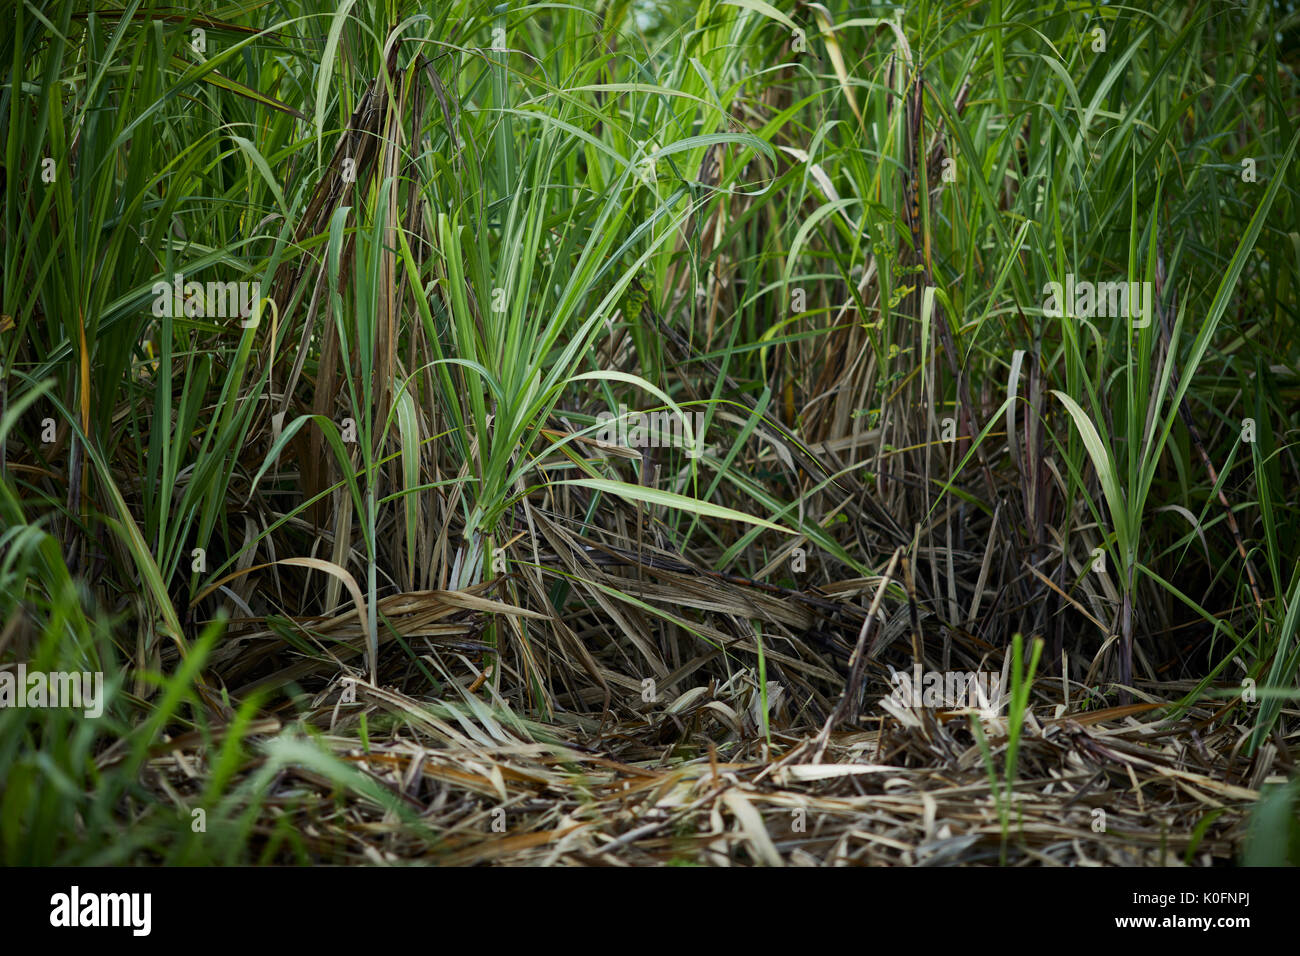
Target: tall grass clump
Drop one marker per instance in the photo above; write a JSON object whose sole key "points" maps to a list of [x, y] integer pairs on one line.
{"points": [[314, 319]]}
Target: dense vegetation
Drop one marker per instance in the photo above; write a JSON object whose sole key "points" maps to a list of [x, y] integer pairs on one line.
{"points": [[927, 327]]}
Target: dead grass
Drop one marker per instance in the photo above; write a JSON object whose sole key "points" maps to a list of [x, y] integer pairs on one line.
{"points": [[691, 779]]}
